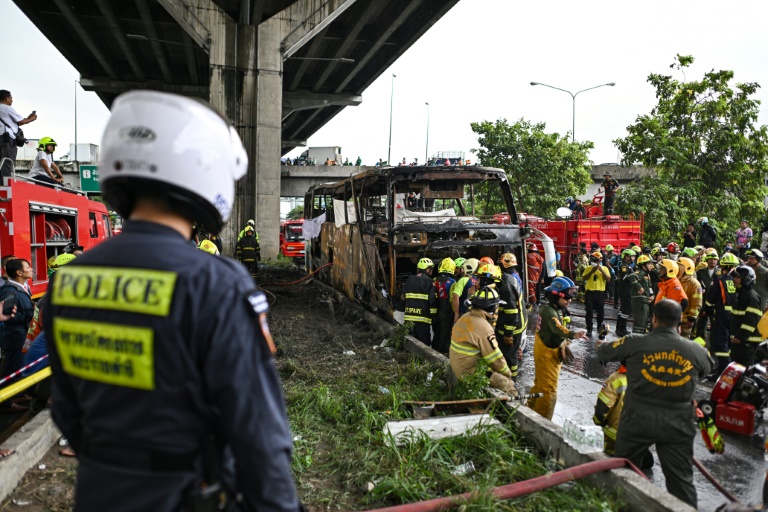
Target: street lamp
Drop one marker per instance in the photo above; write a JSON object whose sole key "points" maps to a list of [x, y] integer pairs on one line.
{"points": [[573, 129], [391, 99], [426, 149]]}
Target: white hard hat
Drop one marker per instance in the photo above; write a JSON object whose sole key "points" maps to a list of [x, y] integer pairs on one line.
{"points": [[173, 146]]}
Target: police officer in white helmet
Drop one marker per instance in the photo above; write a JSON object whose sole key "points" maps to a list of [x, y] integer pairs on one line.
{"points": [[162, 361]]}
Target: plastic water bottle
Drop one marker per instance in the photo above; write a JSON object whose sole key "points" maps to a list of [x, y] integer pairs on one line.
{"points": [[581, 434]]}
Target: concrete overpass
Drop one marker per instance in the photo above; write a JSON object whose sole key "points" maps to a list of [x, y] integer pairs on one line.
{"points": [[279, 70]]}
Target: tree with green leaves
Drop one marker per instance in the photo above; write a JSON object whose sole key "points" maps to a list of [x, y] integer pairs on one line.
{"points": [[709, 153], [543, 168], [296, 213]]}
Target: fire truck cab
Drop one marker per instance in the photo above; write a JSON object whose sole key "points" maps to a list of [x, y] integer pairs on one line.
{"points": [[38, 222], [292, 241]]}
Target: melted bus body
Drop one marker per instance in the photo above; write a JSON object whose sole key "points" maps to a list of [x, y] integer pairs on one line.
{"points": [[379, 223]]}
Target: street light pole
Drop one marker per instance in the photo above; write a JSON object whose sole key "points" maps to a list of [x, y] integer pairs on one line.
{"points": [[426, 149], [391, 101], [573, 97]]}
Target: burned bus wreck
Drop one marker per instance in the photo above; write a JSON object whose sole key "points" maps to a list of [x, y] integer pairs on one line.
{"points": [[375, 226]]}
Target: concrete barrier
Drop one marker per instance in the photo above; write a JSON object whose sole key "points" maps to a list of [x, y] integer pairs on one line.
{"points": [[31, 443], [637, 492]]}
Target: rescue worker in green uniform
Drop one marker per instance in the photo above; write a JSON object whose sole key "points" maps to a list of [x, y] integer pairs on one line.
{"points": [[640, 283], [510, 326], [421, 301], [747, 310], [473, 338], [551, 342], [663, 369]]}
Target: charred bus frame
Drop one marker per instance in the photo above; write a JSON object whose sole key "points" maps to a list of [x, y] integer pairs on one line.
{"points": [[377, 231]]}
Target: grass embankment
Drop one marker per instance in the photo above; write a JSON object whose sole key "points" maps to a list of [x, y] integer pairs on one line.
{"points": [[337, 412]]}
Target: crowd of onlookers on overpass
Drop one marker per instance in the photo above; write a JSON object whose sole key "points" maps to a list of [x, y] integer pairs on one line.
{"points": [[381, 163]]}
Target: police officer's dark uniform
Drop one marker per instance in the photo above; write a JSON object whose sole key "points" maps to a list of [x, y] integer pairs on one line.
{"points": [[509, 326], [421, 302], [162, 360], [747, 310], [624, 294], [640, 283], [663, 369], [610, 186], [718, 305], [248, 252]]}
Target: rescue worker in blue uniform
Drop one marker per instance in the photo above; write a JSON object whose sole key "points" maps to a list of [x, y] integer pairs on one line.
{"points": [[443, 322], [162, 360], [511, 323], [718, 305], [663, 370], [421, 301]]}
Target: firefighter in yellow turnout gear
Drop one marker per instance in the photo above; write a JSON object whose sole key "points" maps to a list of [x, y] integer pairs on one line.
{"points": [[610, 400], [551, 344], [472, 337]]}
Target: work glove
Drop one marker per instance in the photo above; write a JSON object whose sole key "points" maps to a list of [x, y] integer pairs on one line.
{"points": [[709, 432], [565, 354]]}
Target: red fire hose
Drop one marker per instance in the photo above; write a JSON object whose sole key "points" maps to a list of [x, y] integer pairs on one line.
{"points": [[518, 489], [318, 269]]}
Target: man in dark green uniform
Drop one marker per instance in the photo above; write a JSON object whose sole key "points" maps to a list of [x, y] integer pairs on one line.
{"points": [[663, 369], [640, 283], [624, 290]]}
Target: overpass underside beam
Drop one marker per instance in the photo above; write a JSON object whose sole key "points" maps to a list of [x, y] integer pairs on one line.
{"points": [[246, 74]]}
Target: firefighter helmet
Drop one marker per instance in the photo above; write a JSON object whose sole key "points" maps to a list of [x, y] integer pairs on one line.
{"points": [[703, 220], [174, 148], [698, 248], [729, 260], [690, 252], [643, 259], [608, 248], [671, 268], [755, 253], [470, 266], [627, 252], [761, 352], [485, 269], [486, 298], [689, 267], [497, 273], [746, 274], [636, 249], [50, 261], [559, 273], [562, 287], [447, 266], [209, 247], [486, 259], [673, 248], [508, 260], [531, 246], [424, 263], [657, 245], [251, 222], [63, 259], [459, 261], [46, 141]]}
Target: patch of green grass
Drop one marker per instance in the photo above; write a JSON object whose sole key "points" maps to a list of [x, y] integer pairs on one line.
{"points": [[340, 447]]}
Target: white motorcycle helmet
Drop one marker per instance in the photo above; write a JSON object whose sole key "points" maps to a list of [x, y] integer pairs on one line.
{"points": [[176, 148]]}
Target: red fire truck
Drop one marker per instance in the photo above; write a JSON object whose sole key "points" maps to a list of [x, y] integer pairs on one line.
{"points": [[38, 222], [568, 233], [291, 240]]}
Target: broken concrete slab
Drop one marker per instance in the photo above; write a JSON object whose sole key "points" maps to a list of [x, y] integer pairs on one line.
{"points": [[438, 428]]}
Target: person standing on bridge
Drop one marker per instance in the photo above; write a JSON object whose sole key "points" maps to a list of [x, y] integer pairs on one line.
{"points": [[179, 404], [663, 369], [10, 122]]}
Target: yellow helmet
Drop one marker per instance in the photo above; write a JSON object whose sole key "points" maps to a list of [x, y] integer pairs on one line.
{"points": [[643, 259], [425, 263], [486, 270], [50, 261], [209, 247], [689, 267], [508, 260], [671, 267], [63, 259], [559, 273], [447, 265], [497, 272], [729, 260], [608, 248]]}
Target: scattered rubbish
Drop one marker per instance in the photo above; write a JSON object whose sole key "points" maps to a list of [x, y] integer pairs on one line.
{"points": [[297, 438], [41, 466], [438, 428], [583, 434], [375, 347], [464, 469], [63, 442], [457, 406], [348, 353], [20, 503], [369, 487], [429, 377], [384, 391], [388, 349], [384, 343], [425, 411]]}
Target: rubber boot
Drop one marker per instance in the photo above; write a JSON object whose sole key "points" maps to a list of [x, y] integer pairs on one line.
{"points": [[621, 325]]}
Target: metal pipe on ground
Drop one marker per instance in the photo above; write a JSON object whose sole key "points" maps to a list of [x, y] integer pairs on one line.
{"points": [[511, 491]]}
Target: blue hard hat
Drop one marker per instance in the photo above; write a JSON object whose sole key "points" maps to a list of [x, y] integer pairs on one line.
{"points": [[562, 286]]}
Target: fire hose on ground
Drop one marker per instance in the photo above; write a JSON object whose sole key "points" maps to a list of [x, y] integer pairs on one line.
{"points": [[274, 297], [518, 489]]}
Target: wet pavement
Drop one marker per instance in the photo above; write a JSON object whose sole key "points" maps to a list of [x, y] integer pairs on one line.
{"points": [[741, 469]]}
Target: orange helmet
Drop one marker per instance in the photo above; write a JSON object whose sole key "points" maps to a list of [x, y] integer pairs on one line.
{"points": [[486, 259]]}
